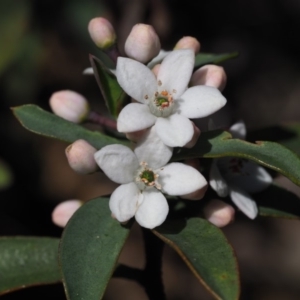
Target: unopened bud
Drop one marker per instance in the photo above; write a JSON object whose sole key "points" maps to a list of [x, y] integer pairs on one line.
{"points": [[195, 137], [142, 43], [70, 106], [219, 213], [102, 33], [64, 211], [188, 42], [80, 156], [210, 75]]}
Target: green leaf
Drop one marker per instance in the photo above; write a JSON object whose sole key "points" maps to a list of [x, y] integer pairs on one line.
{"points": [[89, 250], [278, 202], [13, 18], [207, 58], [27, 261], [42, 122], [219, 143], [285, 134], [112, 93], [6, 176], [205, 250]]}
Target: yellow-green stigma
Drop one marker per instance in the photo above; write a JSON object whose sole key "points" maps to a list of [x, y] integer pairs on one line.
{"points": [[162, 101], [147, 177]]}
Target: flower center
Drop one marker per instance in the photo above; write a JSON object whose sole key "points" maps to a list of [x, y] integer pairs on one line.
{"points": [[146, 178], [162, 104]]}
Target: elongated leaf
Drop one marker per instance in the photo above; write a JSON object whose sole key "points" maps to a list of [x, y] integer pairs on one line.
{"points": [[269, 154], [205, 250], [27, 261], [89, 249], [278, 202], [285, 134], [42, 122], [207, 58], [109, 86]]}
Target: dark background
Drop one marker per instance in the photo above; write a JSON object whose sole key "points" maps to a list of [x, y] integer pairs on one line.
{"points": [[44, 47]]}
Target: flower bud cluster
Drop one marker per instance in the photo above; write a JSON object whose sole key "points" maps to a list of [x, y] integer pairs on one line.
{"points": [[166, 94]]}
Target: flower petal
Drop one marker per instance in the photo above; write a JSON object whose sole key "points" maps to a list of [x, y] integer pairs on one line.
{"points": [[253, 178], [216, 181], [157, 59], [124, 200], [179, 179], [153, 210], [135, 79], [175, 131], [244, 202], [118, 163], [238, 130], [200, 101], [135, 117], [152, 150], [175, 71]]}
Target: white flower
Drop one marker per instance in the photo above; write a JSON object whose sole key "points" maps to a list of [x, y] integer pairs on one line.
{"points": [[144, 176], [165, 101], [239, 177]]}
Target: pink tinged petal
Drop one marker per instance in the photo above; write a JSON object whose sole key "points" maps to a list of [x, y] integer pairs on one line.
{"points": [[118, 163], [175, 131], [217, 182], [175, 72], [64, 211], [219, 213], [244, 202], [153, 210], [238, 130], [124, 201], [178, 179], [135, 117], [136, 79], [157, 59], [200, 101], [253, 178], [152, 150]]}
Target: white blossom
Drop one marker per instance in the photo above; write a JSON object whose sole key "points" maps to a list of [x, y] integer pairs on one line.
{"points": [[239, 177], [165, 101], [144, 177]]}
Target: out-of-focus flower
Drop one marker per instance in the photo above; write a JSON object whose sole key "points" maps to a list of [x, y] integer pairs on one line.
{"points": [[102, 32], [239, 177], [142, 43], [70, 106], [219, 213], [64, 211], [144, 177], [165, 101], [80, 157]]}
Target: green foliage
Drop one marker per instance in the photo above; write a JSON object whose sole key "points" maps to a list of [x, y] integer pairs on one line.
{"points": [[219, 143], [111, 91], [42, 122], [278, 202], [27, 261], [205, 250], [207, 58], [89, 249], [6, 176]]}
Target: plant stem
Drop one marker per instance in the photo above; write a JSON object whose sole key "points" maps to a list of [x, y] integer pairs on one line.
{"points": [[101, 120], [152, 276]]}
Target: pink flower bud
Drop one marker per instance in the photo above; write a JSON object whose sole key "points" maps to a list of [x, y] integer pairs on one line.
{"points": [[219, 213], [188, 42], [195, 137], [142, 43], [69, 105], [80, 156], [64, 211], [102, 32], [210, 75]]}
